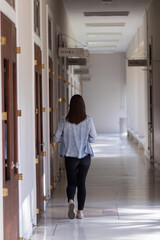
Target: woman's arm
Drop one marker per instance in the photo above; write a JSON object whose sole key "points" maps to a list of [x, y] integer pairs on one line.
{"points": [[59, 132], [92, 133]]}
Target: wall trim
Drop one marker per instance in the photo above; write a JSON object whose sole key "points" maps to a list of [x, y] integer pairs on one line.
{"points": [[8, 10]]}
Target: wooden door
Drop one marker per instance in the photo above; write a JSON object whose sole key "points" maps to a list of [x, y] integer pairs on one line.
{"points": [[9, 128], [39, 131]]}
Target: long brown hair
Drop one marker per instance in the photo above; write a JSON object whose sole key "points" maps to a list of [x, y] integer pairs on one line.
{"points": [[77, 111]]}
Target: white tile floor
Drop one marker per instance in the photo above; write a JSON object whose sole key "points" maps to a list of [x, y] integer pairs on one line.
{"points": [[123, 198]]}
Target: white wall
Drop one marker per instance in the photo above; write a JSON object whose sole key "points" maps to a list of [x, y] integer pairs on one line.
{"points": [[137, 110], [104, 94]]}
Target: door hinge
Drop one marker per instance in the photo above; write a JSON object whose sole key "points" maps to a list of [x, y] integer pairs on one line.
{"points": [[20, 176], [51, 187], [19, 113], [45, 198], [44, 154], [20, 238], [5, 192], [35, 62], [4, 116], [53, 109], [37, 160], [54, 144], [53, 73], [18, 50], [43, 66], [37, 211], [49, 70], [43, 109], [61, 167], [36, 111], [3, 41], [50, 109]]}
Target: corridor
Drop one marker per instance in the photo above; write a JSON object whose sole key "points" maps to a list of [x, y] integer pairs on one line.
{"points": [[108, 52], [123, 198]]}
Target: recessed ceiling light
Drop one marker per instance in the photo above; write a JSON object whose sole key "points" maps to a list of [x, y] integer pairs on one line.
{"points": [[106, 14], [107, 1], [102, 34], [105, 24], [102, 41], [112, 46], [101, 51]]}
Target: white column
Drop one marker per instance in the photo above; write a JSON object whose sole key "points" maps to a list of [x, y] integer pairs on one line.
{"points": [[45, 94], [146, 112], [132, 99], [26, 124], [141, 104], [135, 99], [128, 70]]}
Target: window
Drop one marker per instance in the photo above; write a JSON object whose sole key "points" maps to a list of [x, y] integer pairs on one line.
{"points": [[12, 3], [49, 34], [37, 16], [5, 126]]}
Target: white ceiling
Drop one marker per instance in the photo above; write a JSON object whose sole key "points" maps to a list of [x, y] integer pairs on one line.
{"points": [[117, 42]]}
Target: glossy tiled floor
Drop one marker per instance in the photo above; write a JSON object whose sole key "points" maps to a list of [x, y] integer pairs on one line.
{"points": [[123, 198]]}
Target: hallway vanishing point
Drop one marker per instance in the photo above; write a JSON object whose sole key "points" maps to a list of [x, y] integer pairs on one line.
{"points": [[123, 198]]}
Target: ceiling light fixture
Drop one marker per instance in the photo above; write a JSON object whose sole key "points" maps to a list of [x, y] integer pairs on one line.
{"points": [[101, 41], [105, 24], [101, 51], [106, 14], [102, 34], [107, 1], [112, 46]]}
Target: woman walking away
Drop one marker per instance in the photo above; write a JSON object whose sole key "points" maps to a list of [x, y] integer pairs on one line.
{"points": [[75, 133]]}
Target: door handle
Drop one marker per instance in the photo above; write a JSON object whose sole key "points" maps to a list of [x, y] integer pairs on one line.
{"points": [[12, 165], [17, 165]]}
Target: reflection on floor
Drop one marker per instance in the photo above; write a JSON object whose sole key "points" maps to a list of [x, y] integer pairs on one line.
{"points": [[123, 198]]}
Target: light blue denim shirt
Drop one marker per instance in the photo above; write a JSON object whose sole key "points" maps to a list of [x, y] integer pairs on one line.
{"points": [[75, 139]]}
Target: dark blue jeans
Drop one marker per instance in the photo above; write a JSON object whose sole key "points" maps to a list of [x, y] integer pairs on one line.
{"points": [[77, 170]]}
